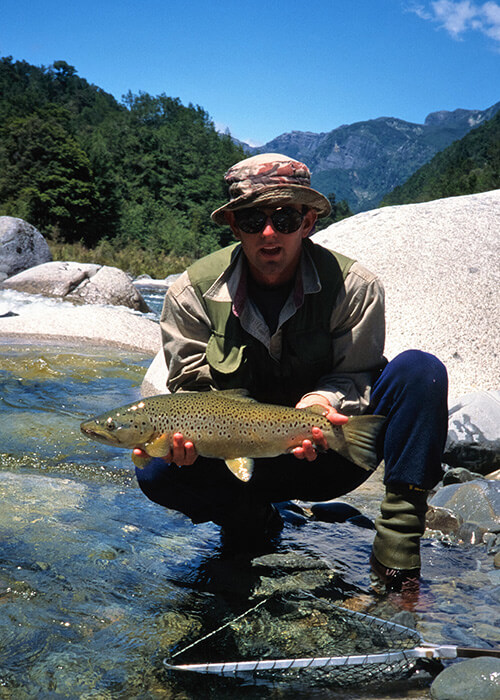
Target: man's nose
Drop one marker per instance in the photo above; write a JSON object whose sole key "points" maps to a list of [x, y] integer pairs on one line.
{"points": [[269, 229]]}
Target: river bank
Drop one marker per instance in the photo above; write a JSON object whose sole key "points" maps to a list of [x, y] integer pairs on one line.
{"points": [[98, 584]]}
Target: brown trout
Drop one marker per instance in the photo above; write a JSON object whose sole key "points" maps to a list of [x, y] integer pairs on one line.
{"points": [[231, 426]]}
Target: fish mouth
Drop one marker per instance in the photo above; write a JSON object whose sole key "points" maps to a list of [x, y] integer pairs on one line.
{"points": [[99, 435]]}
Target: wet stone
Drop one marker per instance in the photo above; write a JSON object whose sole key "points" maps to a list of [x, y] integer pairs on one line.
{"points": [[472, 678], [289, 561]]}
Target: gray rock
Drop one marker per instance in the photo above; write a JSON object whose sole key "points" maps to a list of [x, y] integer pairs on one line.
{"points": [[476, 502], [79, 282], [289, 562], [442, 519], [474, 432], [471, 533], [21, 246], [109, 285], [473, 678], [459, 475]]}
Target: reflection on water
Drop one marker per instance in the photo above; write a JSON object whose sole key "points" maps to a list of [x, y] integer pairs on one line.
{"points": [[98, 585]]}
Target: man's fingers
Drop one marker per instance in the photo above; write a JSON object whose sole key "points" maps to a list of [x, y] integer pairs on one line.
{"points": [[319, 439], [305, 451], [191, 453], [336, 418], [177, 440]]}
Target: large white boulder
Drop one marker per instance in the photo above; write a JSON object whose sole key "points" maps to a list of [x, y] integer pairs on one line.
{"points": [[440, 265]]}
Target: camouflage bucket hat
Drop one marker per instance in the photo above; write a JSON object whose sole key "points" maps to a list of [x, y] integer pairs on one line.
{"points": [[269, 179]]}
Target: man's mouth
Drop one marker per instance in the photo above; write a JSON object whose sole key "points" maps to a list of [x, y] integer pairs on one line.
{"points": [[270, 251]]}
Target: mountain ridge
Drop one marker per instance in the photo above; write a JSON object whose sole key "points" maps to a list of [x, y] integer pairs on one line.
{"points": [[363, 161]]}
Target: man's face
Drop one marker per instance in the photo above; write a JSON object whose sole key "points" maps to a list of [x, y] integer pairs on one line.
{"points": [[272, 256]]}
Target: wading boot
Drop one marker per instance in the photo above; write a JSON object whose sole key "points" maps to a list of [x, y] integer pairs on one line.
{"points": [[395, 559]]}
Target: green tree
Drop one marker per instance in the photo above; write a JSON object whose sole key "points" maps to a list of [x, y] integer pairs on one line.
{"points": [[45, 177], [73, 161]]}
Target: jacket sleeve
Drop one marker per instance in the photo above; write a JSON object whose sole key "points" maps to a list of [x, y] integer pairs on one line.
{"points": [[357, 325], [185, 331]]}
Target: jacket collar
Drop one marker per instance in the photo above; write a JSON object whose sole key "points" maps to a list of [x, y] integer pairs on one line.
{"points": [[231, 285]]}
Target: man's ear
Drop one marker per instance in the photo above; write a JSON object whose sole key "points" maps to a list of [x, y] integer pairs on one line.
{"points": [[309, 221], [229, 216]]}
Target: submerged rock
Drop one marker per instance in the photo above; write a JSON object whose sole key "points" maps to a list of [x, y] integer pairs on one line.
{"points": [[476, 502], [473, 678]]}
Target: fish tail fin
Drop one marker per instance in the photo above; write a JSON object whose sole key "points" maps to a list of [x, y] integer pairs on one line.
{"points": [[360, 436]]}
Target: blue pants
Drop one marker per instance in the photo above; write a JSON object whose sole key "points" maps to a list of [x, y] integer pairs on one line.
{"points": [[411, 391]]}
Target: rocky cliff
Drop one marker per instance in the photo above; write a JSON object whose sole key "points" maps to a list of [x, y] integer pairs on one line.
{"points": [[362, 162]]}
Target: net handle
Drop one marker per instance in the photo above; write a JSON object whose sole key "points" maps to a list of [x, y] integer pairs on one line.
{"points": [[423, 652], [233, 667], [474, 652]]}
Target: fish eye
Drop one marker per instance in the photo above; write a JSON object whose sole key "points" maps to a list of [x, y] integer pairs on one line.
{"points": [[110, 424]]}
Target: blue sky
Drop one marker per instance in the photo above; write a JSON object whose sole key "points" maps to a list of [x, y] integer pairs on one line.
{"points": [[265, 67]]}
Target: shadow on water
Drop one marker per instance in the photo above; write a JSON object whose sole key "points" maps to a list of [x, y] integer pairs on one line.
{"points": [[98, 585]]}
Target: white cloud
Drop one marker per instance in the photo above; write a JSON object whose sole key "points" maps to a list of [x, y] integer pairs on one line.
{"points": [[460, 16], [455, 17], [491, 12]]}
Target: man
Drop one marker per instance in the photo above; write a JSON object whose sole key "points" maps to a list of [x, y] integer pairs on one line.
{"points": [[297, 325]]}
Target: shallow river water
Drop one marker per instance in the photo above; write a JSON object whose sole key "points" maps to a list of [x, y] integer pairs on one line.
{"points": [[98, 585]]}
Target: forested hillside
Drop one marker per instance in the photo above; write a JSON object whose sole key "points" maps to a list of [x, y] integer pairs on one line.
{"points": [[467, 166], [80, 166]]}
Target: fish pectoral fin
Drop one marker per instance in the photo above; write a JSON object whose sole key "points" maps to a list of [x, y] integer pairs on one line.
{"points": [[241, 467], [159, 446], [140, 461]]}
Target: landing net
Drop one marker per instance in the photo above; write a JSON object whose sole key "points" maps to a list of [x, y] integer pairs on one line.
{"points": [[284, 638]]}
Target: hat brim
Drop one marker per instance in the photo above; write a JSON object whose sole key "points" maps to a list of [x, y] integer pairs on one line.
{"points": [[270, 195]]}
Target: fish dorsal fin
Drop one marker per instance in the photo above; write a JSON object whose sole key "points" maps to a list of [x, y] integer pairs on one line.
{"points": [[241, 467], [237, 394], [158, 446]]}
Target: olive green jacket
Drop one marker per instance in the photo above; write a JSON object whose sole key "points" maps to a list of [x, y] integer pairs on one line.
{"points": [[356, 324]]}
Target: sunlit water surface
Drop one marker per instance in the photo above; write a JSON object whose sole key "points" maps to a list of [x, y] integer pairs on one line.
{"points": [[98, 585]]}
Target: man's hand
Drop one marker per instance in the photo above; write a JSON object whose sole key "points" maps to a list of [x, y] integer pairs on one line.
{"points": [[309, 449], [182, 453]]}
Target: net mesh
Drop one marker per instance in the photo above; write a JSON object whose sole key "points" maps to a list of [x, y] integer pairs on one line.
{"points": [[307, 627]]}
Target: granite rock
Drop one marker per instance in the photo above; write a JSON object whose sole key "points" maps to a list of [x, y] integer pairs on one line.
{"points": [[21, 246], [79, 282]]}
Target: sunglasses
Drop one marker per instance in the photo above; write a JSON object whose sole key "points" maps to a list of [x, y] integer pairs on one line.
{"points": [[284, 220]]}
